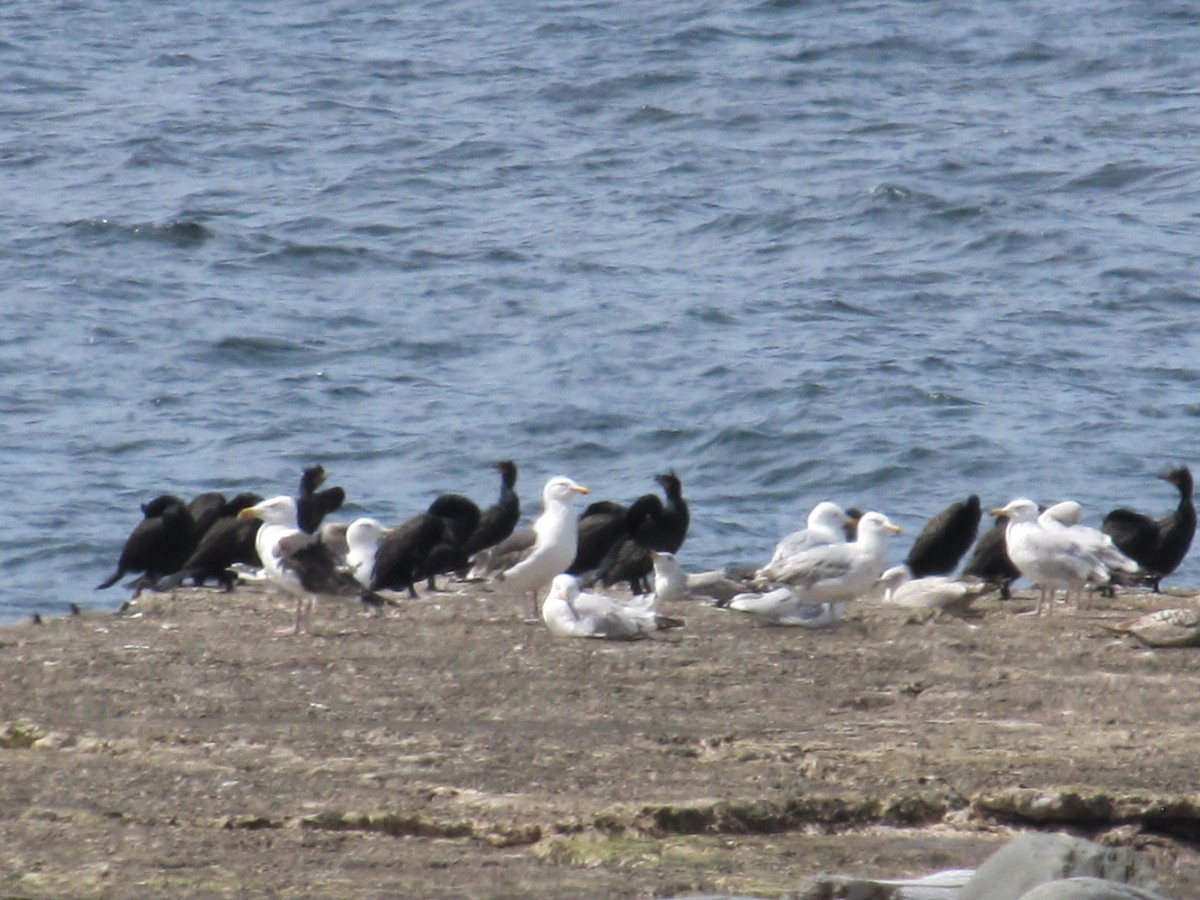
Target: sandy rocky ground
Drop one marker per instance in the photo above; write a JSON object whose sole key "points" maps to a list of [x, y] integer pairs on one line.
{"points": [[450, 748]]}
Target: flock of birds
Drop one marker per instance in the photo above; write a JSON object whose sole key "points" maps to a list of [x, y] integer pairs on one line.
{"points": [[839, 556]]}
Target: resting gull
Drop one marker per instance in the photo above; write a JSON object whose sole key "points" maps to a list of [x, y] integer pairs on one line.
{"points": [[570, 612], [937, 592], [784, 606], [1178, 627], [672, 583]]}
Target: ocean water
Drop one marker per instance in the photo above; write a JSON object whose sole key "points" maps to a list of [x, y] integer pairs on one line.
{"points": [[885, 253]]}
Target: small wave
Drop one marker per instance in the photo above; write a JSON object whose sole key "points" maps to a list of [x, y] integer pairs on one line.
{"points": [[698, 36], [712, 315], [652, 115], [184, 233], [322, 257], [1114, 175], [174, 60], [892, 196], [249, 350]]}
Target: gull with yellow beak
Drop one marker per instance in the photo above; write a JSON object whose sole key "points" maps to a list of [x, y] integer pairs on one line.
{"points": [[826, 574], [300, 563], [556, 538]]}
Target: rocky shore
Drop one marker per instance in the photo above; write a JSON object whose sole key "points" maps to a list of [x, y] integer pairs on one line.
{"points": [[450, 748]]}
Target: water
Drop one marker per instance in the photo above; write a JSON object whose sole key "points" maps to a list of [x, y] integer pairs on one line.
{"points": [[883, 253]]}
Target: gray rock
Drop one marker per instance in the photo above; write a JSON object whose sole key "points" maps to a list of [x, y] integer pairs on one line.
{"points": [[1034, 859], [1088, 889], [938, 886]]}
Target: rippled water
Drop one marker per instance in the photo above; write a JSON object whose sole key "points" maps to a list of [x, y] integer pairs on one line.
{"points": [[885, 253]]}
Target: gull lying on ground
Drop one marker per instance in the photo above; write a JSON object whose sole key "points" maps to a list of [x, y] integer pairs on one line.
{"points": [[570, 612], [1178, 627], [672, 583], [939, 592], [783, 606]]}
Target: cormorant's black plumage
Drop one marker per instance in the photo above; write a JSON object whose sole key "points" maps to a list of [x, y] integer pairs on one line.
{"points": [[158, 545], [230, 540], [601, 527], [402, 555], [653, 525], [497, 521], [1157, 545], [990, 561], [459, 517], [313, 505], [945, 539], [205, 509]]}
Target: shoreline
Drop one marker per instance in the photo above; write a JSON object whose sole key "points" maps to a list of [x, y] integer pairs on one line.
{"points": [[450, 748]]}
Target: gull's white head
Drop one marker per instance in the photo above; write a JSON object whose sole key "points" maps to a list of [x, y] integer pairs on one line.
{"points": [[365, 532], [564, 587], [828, 517], [895, 576], [274, 511], [874, 524], [561, 489], [1019, 510], [665, 563], [1066, 512]]}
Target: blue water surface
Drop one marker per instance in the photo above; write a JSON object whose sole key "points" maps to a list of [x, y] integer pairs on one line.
{"points": [[885, 253]]}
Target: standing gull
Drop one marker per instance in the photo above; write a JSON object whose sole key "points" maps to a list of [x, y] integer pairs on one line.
{"points": [[363, 539], [1051, 554], [670, 581], [834, 572], [816, 582], [555, 540], [298, 562], [824, 525], [1068, 516]]}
